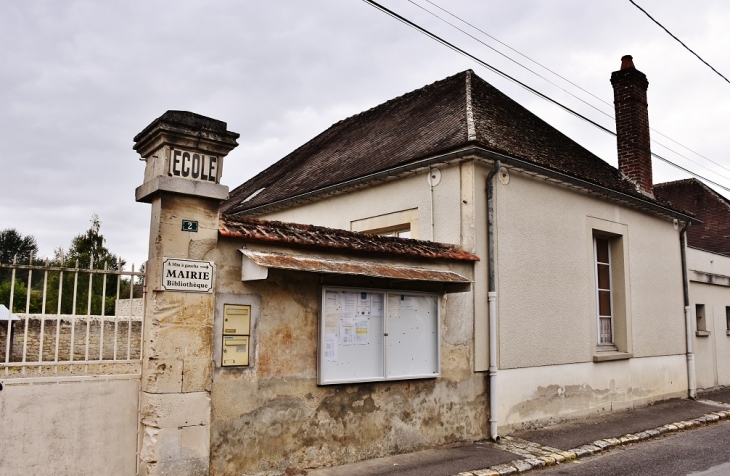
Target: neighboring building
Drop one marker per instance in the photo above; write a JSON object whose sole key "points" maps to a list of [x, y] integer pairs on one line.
{"points": [[708, 270], [713, 234]]}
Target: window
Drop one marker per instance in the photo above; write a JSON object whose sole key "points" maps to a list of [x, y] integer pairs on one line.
{"points": [[403, 232], [727, 319], [368, 335], [403, 224], [607, 255], [700, 314], [701, 320], [604, 301]]}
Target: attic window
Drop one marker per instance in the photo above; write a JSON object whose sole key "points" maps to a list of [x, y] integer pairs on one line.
{"points": [[253, 195]]}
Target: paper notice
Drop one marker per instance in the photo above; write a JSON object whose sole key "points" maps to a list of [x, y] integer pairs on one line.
{"points": [[376, 305], [363, 304], [408, 302], [331, 321], [361, 331], [393, 305], [330, 348], [347, 331], [333, 300], [349, 304]]}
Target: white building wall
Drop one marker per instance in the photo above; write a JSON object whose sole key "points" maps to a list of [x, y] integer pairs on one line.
{"points": [[709, 276]]}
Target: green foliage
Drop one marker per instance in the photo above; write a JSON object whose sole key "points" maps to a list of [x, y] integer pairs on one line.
{"points": [[87, 250], [13, 243]]}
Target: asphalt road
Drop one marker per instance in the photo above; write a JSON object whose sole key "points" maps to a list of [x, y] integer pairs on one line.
{"points": [[699, 452]]}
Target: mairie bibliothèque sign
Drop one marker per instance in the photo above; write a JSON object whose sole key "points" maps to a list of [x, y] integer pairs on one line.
{"points": [[194, 166], [187, 275]]}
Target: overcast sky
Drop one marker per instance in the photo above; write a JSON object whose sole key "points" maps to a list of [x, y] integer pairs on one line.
{"points": [[80, 78]]}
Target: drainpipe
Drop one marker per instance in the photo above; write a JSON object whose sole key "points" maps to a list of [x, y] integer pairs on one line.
{"points": [[492, 294], [688, 316]]}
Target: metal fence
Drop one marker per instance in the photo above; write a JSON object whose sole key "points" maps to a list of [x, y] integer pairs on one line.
{"points": [[68, 321]]}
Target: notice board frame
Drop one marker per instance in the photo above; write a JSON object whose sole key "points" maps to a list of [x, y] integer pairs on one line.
{"points": [[345, 371]]}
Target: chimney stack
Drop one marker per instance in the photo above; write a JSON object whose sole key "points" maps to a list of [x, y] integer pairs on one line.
{"points": [[632, 124]]}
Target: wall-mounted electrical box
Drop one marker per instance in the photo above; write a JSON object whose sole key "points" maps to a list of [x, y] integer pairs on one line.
{"points": [[236, 334]]}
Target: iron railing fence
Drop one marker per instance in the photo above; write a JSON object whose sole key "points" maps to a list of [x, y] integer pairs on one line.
{"points": [[70, 321]]}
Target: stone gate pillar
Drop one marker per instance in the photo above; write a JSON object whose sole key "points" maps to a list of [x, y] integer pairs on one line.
{"points": [[184, 159]]}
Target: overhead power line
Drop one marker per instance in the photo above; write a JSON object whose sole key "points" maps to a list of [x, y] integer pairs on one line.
{"points": [[680, 41], [523, 85], [566, 80]]}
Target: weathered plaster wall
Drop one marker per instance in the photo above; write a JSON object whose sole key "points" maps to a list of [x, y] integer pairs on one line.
{"points": [[547, 311], [69, 429], [546, 284], [272, 416], [459, 211], [388, 197], [537, 395], [712, 352]]}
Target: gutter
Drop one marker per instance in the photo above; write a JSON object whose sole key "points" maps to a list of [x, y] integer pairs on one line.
{"points": [[492, 300], [691, 380], [481, 154]]}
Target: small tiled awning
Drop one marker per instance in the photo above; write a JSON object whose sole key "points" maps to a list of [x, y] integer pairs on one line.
{"points": [[256, 264]]}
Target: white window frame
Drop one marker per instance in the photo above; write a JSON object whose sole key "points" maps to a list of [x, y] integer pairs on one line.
{"points": [[612, 344], [324, 380]]}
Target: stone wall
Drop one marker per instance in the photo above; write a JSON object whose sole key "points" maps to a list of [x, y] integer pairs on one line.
{"points": [[62, 325], [272, 415]]}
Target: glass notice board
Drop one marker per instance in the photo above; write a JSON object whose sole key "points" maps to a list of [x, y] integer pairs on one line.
{"points": [[370, 335]]}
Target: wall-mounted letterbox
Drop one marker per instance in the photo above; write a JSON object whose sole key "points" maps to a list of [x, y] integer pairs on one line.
{"points": [[236, 334]]}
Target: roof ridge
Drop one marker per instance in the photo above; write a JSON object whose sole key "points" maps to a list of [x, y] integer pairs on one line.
{"points": [[471, 133]]}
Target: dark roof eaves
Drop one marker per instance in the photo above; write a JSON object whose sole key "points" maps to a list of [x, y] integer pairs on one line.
{"points": [[479, 151], [394, 171], [563, 177]]}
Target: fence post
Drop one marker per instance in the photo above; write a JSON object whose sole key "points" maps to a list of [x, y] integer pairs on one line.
{"points": [[184, 159]]}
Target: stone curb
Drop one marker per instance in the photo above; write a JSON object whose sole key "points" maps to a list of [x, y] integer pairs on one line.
{"points": [[538, 456]]}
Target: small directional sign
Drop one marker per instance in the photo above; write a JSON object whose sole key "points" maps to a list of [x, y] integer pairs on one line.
{"points": [[187, 275], [190, 225]]}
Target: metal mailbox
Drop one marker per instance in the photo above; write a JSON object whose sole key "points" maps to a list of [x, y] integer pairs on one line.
{"points": [[236, 334]]}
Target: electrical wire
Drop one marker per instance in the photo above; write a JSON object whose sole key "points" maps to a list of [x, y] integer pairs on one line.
{"points": [[680, 41], [569, 82], [523, 85], [511, 59]]}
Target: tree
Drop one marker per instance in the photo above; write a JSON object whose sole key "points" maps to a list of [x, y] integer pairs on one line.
{"points": [[14, 243], [84, 247]]}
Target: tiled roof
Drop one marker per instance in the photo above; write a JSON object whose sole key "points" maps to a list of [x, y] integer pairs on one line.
{"points": [[713, 234], [418, 125], [253, 229]]}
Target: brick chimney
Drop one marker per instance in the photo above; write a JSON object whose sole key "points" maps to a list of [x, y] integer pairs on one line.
{"points": [[632, 124]]}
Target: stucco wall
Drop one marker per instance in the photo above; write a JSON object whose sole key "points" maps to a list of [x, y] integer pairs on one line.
{"points": [[388, 197], [273, 416], [70, 428], [538, 395], [546, 284], [712, 352]]}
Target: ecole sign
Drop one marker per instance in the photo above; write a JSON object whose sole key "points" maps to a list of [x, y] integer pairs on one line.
{"points": [[187, 275], [194, 166]]}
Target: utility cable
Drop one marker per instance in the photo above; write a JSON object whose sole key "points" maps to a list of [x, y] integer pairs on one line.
{"points": [[483, 63], [511, 59], [519, 53], [561, 77], [680, 41], [523, 85], [571, 83]]}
